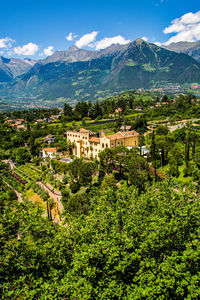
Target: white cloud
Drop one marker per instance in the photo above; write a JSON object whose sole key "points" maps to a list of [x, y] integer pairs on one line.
{"points": [[145, 38], [28, 49], [48, 51], [185, 28], [86, 39], [158, 44], [70, 36], [106, 42], [6, 42]]}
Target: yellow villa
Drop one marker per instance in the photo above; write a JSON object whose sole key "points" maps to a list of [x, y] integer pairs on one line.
{"points": [[88, 144]]}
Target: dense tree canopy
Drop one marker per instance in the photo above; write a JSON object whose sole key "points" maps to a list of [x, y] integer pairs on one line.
{"points": [[126, 247]]}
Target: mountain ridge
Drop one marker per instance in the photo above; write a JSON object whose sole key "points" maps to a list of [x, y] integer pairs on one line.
{"points": [[189, 48], [12, 67], [85, 75]]}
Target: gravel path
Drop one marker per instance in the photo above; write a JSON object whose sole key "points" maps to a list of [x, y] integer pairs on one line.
{"points": [[55, 196]]}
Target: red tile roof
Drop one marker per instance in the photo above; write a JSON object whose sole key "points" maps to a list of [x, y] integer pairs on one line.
{"points": [[122, 134], [83, 130], [50, 149], [116, 136], [94, 139]]}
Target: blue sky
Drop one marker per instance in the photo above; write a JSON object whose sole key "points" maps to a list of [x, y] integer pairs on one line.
{"points": [[33, 28]]}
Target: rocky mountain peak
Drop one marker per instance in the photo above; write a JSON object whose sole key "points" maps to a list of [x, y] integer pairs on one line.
{"points": [[73, 48]]}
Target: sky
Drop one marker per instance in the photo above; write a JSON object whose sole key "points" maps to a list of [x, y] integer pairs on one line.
{"points": [[37, 28]]}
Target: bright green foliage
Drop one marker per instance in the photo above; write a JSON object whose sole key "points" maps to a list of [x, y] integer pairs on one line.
{"points": [[137, 170], [108, 182], [73, 168], [127, 246], [21, 155], [86, 171]]}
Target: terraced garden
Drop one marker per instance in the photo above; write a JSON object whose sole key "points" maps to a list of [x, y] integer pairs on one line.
{"points": [[30, 172], [13, 179]]}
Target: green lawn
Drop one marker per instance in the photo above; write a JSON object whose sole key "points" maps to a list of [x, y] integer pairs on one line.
{"points": [[181, 178]]}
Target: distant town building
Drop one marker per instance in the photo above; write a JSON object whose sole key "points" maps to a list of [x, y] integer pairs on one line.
{"points": [[20, 121], [49, 138], [138, 108], [39, 121], [21, 127], [118, 110], [144, 151]]}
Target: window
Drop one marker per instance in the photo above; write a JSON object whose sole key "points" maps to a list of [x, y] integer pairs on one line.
{"points": [[102, 145], [111, 145], [121, 143], [135, 143], [106, 145]]}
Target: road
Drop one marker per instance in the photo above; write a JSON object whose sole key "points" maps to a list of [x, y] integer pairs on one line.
{"points": [[55, 196]]}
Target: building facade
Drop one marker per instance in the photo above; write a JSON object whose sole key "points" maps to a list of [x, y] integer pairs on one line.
{"points": [[49, 152], [88, 144]]}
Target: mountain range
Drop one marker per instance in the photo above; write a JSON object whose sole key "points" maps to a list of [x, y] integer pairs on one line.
{"points": [[190, 48], [78, 74], [12, 67]]}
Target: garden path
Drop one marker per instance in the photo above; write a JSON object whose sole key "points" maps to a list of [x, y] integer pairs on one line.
{"points": [[56, 196]]}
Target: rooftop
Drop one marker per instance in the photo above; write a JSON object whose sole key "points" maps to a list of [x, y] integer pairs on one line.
{"points": [[83, 130], [94, 139], [122, 134], [54, 149], [116, 136]]}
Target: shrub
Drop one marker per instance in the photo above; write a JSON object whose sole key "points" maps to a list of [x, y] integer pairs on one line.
{"points": [[74, 187]]}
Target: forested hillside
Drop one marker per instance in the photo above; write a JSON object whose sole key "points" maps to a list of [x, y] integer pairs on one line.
{"points": [[124, 246]]}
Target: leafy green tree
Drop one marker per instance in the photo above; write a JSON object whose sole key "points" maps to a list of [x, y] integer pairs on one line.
{"points": [[107, 160], [154, 154], [74, 187], [137, 170], [120, 155], [21, 155], [67, 110], [86, 172], [81, 110], [108, 182], [73, 168]]}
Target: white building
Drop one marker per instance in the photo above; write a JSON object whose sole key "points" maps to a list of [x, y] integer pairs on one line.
{"points": [[49, 152]]}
